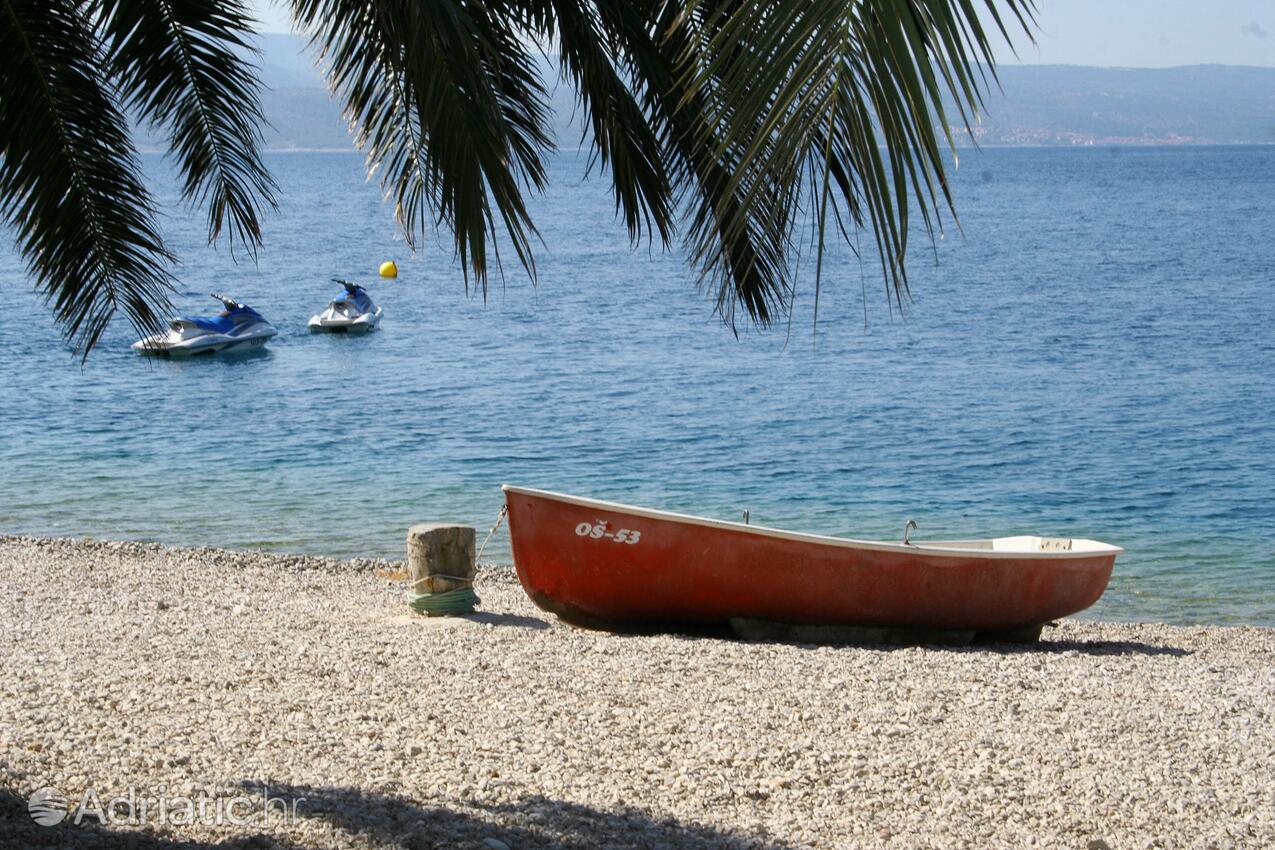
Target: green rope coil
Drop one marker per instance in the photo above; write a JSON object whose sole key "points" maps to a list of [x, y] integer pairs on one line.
{"points": [[459, 601]]}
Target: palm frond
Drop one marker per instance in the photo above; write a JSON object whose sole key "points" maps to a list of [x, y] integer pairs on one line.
{"points": [[591, 41], [737, 233], [830, 108], [446, 102], [180, 64], [69, 183]]}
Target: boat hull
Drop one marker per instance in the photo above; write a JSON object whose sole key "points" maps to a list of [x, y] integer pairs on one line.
{"points": [[163, 345], [332, 321], [603, 565]]}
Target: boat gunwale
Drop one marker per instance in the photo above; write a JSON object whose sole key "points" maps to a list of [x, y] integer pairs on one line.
{"points": [[1098, 548]]}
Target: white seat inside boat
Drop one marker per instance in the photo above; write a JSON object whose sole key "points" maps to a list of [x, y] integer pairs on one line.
{"points": [[1024, 544]]}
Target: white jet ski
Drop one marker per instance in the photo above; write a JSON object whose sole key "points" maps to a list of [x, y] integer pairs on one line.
{"points": [[350, 312], [237, 328]]}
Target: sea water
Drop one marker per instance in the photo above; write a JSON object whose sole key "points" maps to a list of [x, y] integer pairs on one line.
{"points": [[1090, 354]]}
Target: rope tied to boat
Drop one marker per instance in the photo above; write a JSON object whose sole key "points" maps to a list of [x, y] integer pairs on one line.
{"points": [[504, 511], [458, 600]]}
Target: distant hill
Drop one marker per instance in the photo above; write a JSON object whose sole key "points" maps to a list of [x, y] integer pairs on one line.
{"points": [[1040, 104], [300, 113], [296, 100]]}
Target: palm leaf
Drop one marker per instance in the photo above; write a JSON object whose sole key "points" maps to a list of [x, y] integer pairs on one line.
{"points": [[591, 56], [70, 185], [446, 102], [737, 232], [838, 103], [179, 64]]}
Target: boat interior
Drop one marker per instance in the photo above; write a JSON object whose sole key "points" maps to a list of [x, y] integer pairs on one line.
{"points": [[1024, 543]]}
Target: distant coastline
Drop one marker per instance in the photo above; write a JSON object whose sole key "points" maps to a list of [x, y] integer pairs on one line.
{"points": [[964, 146], [1033, 106]]}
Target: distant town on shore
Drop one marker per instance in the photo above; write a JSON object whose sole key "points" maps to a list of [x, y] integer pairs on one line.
{"points": [[1046, 105]]}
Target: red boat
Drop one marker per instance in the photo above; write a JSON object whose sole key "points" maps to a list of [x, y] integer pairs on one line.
{"points": [[606, 565]]}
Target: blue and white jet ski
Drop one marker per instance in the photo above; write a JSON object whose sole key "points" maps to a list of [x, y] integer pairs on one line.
{"points": [[350, 312], [237, 328]]}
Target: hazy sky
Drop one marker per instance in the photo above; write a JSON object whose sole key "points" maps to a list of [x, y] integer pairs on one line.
{"points": [[1132, 33], [1152, 33]]}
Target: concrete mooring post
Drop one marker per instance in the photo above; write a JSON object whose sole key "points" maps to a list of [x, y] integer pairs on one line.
{"points": [[440, 557]]}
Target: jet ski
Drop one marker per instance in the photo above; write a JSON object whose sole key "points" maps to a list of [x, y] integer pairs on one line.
{"points": [[350, 312], [237, 328]]}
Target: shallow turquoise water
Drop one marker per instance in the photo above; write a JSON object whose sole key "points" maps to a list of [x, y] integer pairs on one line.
{"points": [[1091, 358]]}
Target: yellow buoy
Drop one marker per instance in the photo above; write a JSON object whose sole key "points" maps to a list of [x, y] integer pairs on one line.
{"points": [[389, 269]]}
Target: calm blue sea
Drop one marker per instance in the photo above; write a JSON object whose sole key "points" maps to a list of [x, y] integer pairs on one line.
{"points": [[1091, 356]]}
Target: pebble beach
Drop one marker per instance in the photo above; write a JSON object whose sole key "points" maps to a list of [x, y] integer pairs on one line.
{"points": [[304, 692]]}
